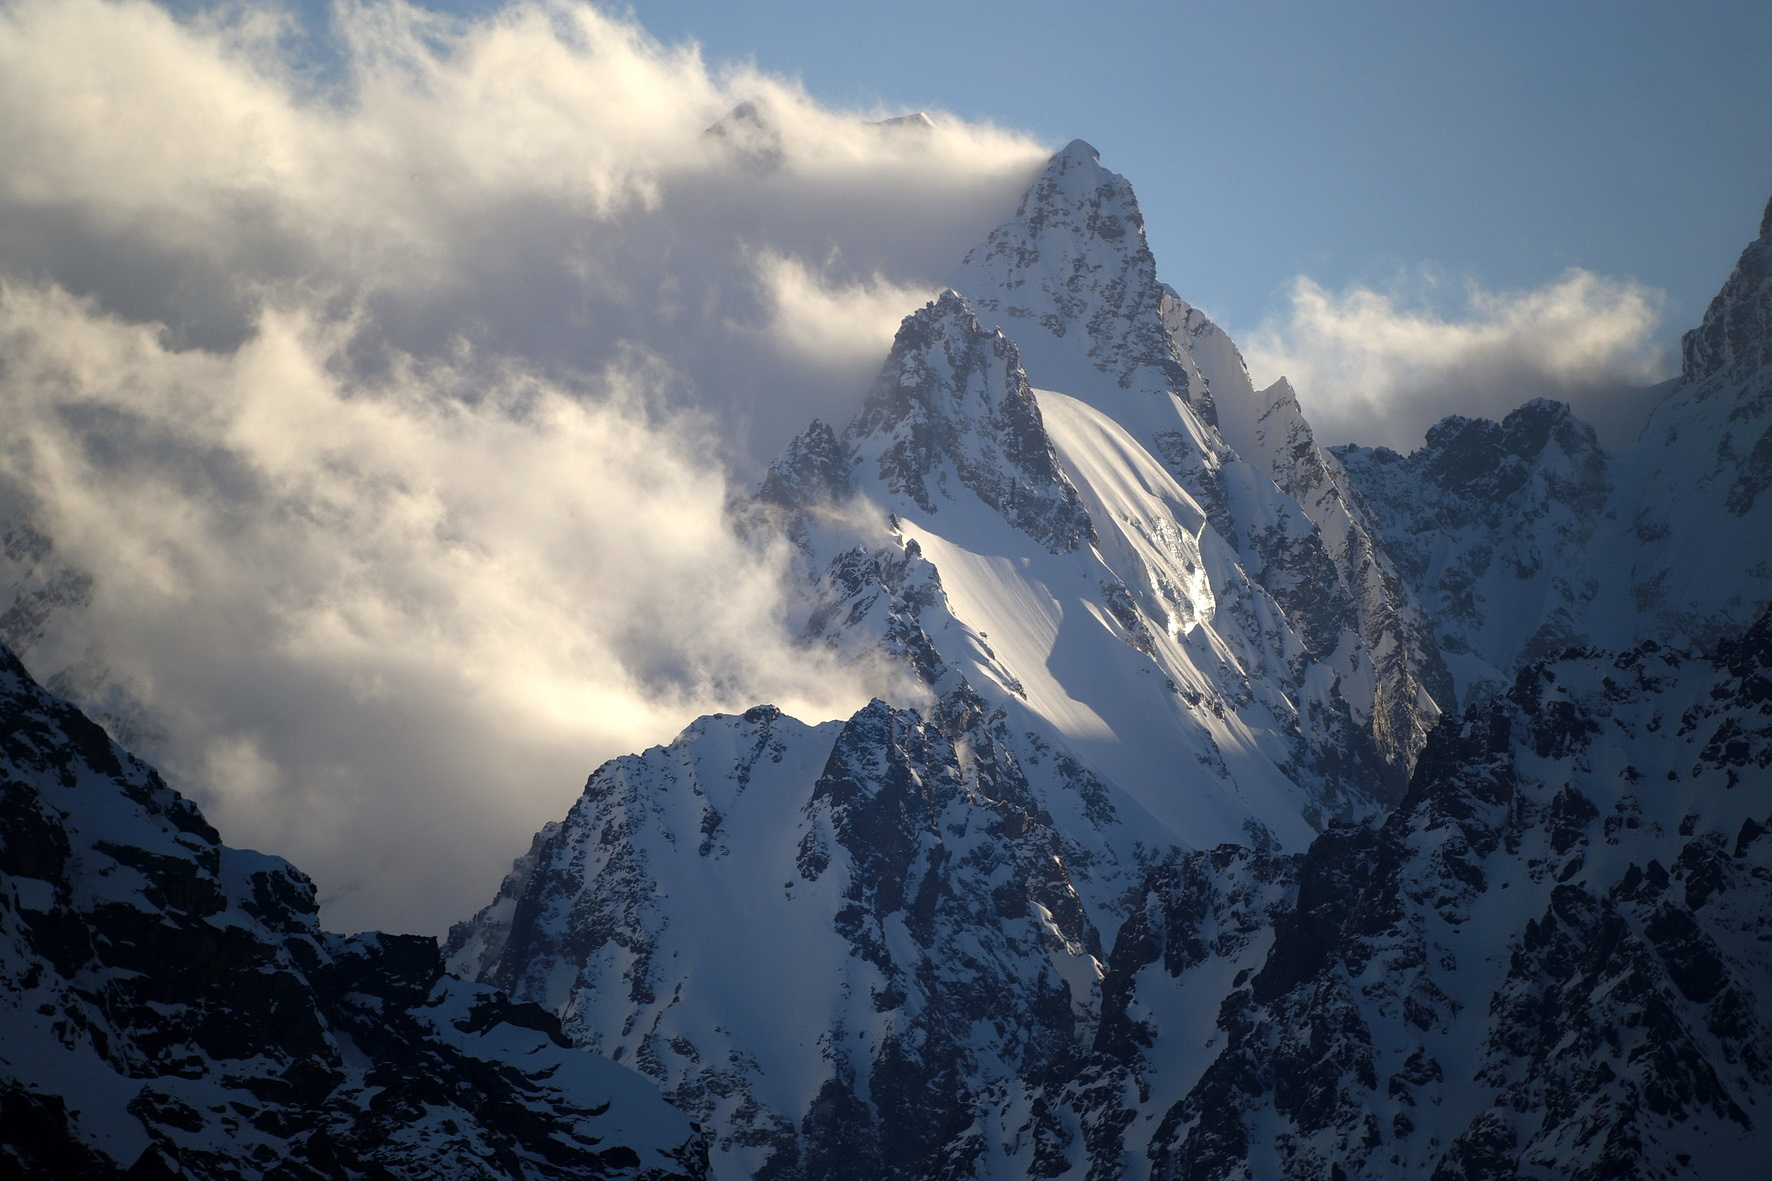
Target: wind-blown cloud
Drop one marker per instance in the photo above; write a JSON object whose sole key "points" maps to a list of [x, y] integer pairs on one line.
{"points": [[1371, 371], [380, 630], [842, 325], [537, 183], [343, 463]]}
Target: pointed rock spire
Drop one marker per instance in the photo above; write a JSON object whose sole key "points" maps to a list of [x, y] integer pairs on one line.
{"points": [[953, 398], [1074, 262]]}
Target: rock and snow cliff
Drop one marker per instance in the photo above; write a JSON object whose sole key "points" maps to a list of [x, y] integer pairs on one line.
{"points": [[1251, 809], [1550, 961], [1117, 894]]}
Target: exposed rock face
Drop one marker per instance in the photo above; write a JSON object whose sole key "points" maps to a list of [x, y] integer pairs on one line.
{"points": [[839, 946], [1734, 343], [170, 1007], [1325, 561], [1495, 524], [1550, 961], [1116, 897], [1073, 265], [1523, 537], [1706, 454], [953, 404]]}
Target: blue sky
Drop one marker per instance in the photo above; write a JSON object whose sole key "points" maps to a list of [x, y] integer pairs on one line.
{"points": [[1352, 142]]}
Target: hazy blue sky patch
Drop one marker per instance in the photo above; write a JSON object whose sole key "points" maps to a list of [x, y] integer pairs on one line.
{"points": [[1503, 142]]}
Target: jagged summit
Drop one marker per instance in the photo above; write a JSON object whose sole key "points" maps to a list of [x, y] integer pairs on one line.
{"points": [[747, 131], [1491, 459], [1076, 171], [1072, 280], [953, 401]]}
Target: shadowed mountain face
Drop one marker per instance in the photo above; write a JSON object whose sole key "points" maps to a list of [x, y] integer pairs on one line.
{"points": [[1251, 809], [1551, 960], [172, 1009]]}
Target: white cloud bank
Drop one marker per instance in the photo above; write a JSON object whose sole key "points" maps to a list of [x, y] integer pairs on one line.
{"points": [[346, 408], [1370, 370]]}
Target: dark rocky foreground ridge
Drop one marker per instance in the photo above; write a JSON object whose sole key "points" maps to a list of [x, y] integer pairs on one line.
{"points": [[169, 1007]]}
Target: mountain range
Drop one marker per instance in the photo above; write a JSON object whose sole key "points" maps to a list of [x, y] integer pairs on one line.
{"points": [[1250, 808]]}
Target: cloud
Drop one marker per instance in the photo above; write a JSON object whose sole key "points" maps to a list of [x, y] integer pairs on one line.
{"points": [[840, 324], [538, 183], [345, 468], [385, 632], [1370, 370]]}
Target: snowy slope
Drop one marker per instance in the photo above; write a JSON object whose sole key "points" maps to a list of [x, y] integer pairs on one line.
{"points": [[831, 945], [1072, 282], [1497, 524], [1067, 906], [169, 1006]]}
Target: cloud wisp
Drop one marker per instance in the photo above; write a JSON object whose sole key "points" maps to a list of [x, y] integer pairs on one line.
{"points": [[344, 462], [382, 628], [1373, 370], [539, 183]]}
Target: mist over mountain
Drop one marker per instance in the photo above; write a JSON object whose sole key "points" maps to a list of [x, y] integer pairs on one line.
{"points": [[379, 436], [1101, 769], [1285, 720]]}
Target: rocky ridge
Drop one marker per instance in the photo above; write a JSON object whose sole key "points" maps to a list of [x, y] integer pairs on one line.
{"points": [[171, 1008], [1094, 904], [1549, 961], [1072, 281], [1115, 887]]}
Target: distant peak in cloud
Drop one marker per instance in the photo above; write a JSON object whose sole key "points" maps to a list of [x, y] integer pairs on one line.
{"points": [[916, 121], [1376, 368]]}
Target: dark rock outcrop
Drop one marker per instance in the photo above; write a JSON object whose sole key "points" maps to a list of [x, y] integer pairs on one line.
{"points": [[170, 1007]]}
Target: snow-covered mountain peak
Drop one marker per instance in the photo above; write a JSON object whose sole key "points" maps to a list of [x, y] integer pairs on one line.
{"points": [[1076, 172], [1072, 280], [952, 408], [1477, 456], [812, 467]]}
